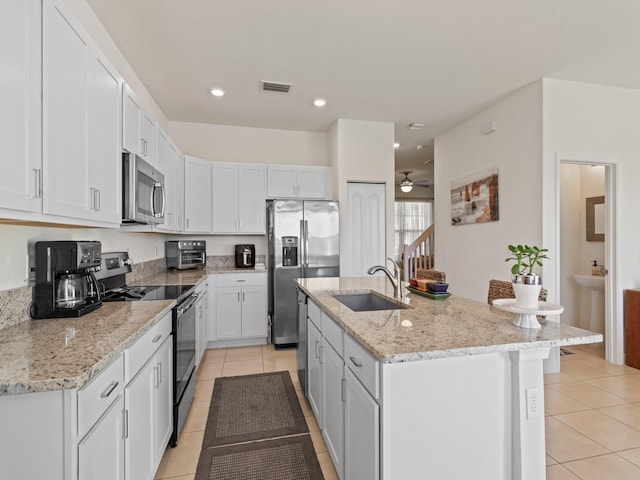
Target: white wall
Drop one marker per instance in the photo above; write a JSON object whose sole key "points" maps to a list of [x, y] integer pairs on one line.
{"points": [[362, 151], [584, 121], [15, 239], [471, 255], [227, 143]]}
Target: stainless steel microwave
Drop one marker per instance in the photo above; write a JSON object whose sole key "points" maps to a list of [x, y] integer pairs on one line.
{"points": [[143, 194]]}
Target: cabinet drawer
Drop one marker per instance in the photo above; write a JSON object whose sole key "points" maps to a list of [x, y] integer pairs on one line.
{"points": [[138, 353], [96, 396], [333, 333], [363, 365], [241, 279]]}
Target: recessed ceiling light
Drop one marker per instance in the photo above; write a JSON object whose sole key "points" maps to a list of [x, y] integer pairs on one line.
{"points": [[319, 102], [217, 92], [416, 126], [396, 145]]}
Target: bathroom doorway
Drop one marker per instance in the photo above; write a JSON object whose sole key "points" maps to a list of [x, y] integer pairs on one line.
{"points": [[587, 233]]}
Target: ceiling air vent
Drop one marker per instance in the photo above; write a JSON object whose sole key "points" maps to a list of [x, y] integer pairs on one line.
{"points": [[275, 86]]}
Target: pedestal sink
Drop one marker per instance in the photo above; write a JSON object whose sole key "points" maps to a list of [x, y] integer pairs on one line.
{"points": [[595, 284]]}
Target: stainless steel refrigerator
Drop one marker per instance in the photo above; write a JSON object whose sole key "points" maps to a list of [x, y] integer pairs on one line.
{"points": [[304, 240]]}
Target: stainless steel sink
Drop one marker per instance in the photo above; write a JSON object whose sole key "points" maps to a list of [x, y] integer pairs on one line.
{"points": [[367, 302]]}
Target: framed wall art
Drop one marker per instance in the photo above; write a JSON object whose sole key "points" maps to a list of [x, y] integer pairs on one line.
{"points": [[474, 198]]}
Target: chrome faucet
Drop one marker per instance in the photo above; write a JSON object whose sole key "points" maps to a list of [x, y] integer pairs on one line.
{"points": [[394, 277]]}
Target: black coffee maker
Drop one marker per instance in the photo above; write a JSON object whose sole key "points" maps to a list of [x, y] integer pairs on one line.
{"points": [[245, 256], [65, 283]]}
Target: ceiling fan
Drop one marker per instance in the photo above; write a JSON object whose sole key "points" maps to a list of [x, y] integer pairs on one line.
{"points": [[406, 185]]}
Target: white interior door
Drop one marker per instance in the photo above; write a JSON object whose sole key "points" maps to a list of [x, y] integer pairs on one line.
{"points": [[365, 237]]}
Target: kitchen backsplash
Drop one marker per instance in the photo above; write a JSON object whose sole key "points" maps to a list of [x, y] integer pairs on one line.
{"points": [[14, 303], [14, 306]]}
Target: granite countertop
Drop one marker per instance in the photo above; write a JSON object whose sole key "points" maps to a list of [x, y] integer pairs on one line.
{"points": [[432, 329], [64, 353]]}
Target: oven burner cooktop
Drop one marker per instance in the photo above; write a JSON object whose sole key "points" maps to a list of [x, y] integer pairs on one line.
{"points": [[151, 292]]}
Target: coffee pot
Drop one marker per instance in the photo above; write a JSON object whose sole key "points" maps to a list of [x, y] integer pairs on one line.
{"points": [[65, 284]]}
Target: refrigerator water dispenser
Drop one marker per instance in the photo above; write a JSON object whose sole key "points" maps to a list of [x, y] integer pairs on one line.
{"points": [[289, 251]]}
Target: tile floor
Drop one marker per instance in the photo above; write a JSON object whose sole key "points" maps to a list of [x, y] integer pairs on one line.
{"points": [[180, 463], [592, 418], [592, 414]]}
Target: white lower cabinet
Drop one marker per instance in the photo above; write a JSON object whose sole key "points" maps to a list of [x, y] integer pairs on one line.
{"points": [[202, 319], [240, 309], [314, 366], [101, 453], [333, 425], [148, 402], [342, 381], [362, 432]]}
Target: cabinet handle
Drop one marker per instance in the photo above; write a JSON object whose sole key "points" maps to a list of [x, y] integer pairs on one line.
{"points": [[92, 198], [107, 391], [355, 361], [156, 338], [125, 424], [321, 354], [97, 200], [238, 296], [317, 354], [344, 390], [38, 183], [243, 296], [240, 222], [187, 223], [159, 374]]}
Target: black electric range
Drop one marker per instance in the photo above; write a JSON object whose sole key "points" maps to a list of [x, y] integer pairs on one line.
{"points": [[147, 292]]}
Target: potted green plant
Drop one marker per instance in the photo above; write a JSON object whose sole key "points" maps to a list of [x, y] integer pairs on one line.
{"points": [[526, 283]]}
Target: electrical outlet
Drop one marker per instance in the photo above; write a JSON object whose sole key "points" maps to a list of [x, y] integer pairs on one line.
{"points": [[534, 402]]}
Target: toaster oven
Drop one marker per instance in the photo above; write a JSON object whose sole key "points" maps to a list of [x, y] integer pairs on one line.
{"points": [[184, 254]]}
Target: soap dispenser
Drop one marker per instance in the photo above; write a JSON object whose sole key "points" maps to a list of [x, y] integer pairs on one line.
{"points": [[594, 268]]}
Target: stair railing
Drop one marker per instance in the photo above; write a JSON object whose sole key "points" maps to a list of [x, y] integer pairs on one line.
{"points": [[419, 254]]}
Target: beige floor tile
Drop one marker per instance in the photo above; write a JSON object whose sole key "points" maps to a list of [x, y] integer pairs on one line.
{"points": [[274, 364], [587, 394], [558, 472], [550, 460], [603, 429], [204, 389], [632, 455], [209, 371], [183, 459], [181, 477], [214, 355], [316, 436], [559, 377], [328, 471], [604, 467], [582, 372], [243, 353], [564, 443], [628, 414], [270, 351], [304, 404], [245, 367], [556, 403], [620, 385], [197, 418]]}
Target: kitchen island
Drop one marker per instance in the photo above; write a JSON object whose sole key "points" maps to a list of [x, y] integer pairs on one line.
{"points": [[450, 388]]}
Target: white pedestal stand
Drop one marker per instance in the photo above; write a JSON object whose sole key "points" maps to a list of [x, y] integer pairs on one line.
{"points": [[527, 317]]}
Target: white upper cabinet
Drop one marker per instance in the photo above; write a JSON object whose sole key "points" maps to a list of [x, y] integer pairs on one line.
{"points": [[239, 198], [81, 122], [171, 164], [197, 195], [20, 115], [288, 181], [138, 128]]}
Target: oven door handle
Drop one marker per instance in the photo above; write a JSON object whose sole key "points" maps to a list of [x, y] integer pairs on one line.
{"points": [[184, 307]]}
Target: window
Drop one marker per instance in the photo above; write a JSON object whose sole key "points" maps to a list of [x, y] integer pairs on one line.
{"points": [[412, 218]]}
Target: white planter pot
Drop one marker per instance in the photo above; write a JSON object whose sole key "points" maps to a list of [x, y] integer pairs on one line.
{"points": [[527, 290]]}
